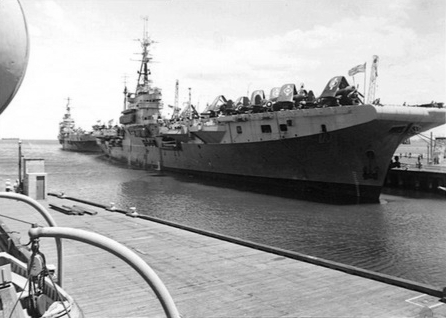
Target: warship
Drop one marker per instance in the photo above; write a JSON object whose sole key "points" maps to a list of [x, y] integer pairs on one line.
{"points": [[333, 148], [75, 139]]}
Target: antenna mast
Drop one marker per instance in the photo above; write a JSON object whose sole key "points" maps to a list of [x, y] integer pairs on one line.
{"points": [[145, 34], [125, 91], [190, 97], [145, 43], [68, 105], [176, 94]]}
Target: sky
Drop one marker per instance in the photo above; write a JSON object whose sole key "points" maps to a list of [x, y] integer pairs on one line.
{"points": [[87, 49]]}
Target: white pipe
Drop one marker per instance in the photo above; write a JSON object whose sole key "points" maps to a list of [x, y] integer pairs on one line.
{"points": [[120, 251], [47, 216]]}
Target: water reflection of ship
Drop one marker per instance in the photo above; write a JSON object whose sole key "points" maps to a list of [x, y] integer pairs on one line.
{"points": [[75, 139]]}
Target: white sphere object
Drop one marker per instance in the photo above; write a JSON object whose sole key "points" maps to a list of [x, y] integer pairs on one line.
{"points": [[14, 50]]}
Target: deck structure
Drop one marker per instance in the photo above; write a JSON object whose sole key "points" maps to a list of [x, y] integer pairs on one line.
{"points": [[207, 277]]}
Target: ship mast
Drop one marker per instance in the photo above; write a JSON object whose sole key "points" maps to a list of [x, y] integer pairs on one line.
{"points": [[68, 114], [68, 106], [176, 94], [190, 97], [144, 71], [67, 122], [125, 91]]}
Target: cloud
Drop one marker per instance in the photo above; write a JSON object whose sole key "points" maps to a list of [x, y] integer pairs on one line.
{"points": [[51, 24], [52, 10], [313, 56]]}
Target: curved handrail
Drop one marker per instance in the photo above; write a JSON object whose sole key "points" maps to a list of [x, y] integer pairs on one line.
{"points": [[118, 250], [47, 216]]}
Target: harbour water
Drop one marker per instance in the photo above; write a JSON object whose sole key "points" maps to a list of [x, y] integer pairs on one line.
{"points": [[403, 236]]}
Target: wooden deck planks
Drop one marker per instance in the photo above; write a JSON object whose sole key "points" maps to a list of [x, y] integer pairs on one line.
{"points": [[206, 277]]}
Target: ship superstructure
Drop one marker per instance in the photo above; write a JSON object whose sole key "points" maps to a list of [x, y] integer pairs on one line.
{"points": [[75, 139], [141, 116]]}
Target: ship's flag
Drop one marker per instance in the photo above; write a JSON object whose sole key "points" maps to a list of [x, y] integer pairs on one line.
{"points": [[357, 69]]}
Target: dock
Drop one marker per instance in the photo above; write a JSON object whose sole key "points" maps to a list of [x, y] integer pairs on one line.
{"points": [[426, 177], [206, 276]]}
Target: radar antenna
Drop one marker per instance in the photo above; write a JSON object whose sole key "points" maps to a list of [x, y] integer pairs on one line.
{"points": [[68, 105]]}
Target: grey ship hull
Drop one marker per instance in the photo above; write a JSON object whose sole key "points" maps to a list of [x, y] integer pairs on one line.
{"points": [[80, 143], [324, 166], [347, 163]]}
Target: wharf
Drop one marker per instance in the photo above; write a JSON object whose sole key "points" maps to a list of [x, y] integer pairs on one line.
{"points": [[425, 177], [207, 277]]}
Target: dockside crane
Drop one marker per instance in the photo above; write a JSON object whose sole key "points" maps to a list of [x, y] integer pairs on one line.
{"points": [[187, 110], [176, 108], [373, 76]]}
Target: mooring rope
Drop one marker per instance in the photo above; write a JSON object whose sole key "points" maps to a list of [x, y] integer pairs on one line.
{"points": [[23, 221]]}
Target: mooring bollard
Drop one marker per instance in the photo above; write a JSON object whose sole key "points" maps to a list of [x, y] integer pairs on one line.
{"points": [[8, 187], [61, 195], [132, 212], [111, 207]]}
